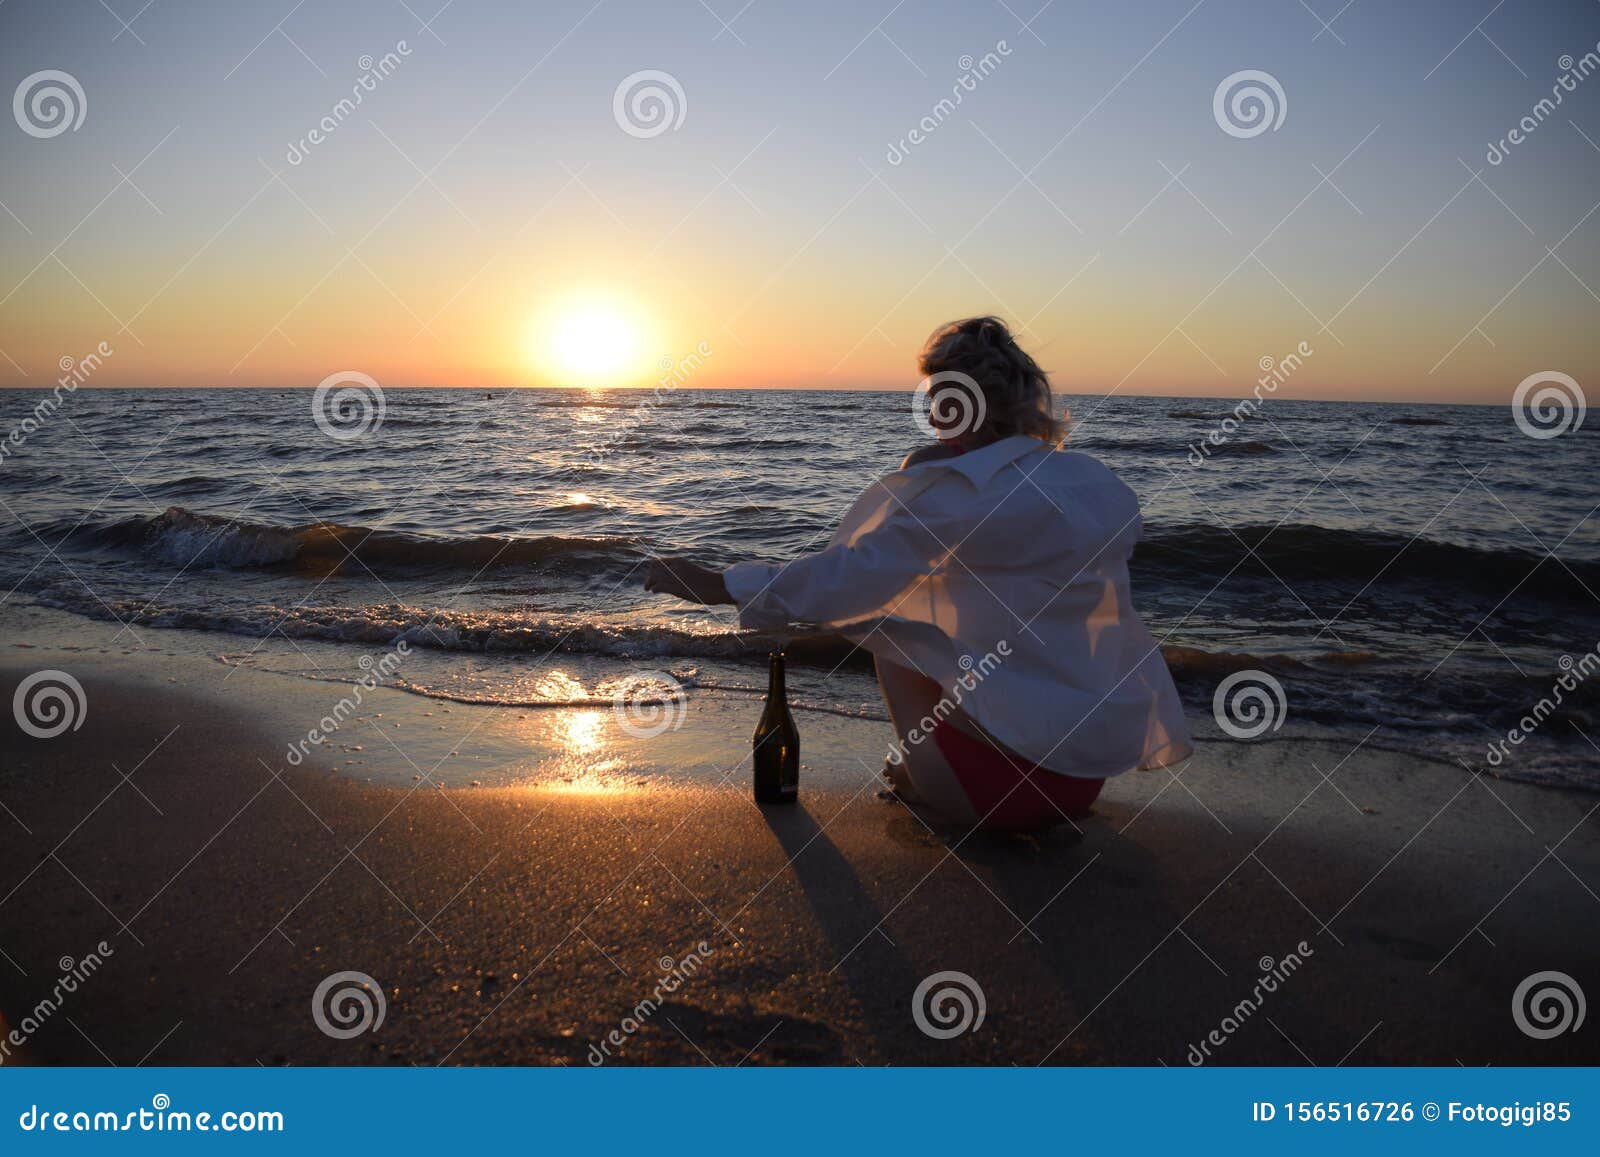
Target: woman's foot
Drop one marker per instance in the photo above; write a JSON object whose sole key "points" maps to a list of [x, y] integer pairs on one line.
{"points": [[899, 783]]}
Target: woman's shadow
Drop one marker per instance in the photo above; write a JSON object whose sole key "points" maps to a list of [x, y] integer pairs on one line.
{"points": [[1088, 876]]}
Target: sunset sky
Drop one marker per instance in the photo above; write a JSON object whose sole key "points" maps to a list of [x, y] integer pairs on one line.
{"points": [[483, 219]]}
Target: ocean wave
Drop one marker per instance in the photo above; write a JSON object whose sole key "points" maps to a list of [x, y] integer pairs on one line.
{"points": [[185, 538], [1192, 663], [521, 631], [1171, 554], [1234, 448], [1326, 554], [1245, 448]]}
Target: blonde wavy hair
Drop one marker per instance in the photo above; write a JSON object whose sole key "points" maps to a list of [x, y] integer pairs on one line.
{"points": [[1016, 392]]}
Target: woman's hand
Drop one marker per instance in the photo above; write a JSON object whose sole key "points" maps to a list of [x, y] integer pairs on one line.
{"points": [[686, 580]]}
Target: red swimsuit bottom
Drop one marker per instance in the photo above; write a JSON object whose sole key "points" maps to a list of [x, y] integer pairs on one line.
{"points": [[1008, 794]]}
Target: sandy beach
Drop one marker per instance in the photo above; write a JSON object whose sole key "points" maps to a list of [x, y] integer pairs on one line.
{"points": [[524, 924]]}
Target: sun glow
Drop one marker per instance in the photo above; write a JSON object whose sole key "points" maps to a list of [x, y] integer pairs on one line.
{"points": [[592, 340]]}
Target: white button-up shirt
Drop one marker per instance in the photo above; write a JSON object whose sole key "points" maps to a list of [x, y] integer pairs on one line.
{"points": [[1001, 574]]}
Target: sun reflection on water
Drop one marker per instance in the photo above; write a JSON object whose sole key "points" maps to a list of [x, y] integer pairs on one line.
{"points": [[582, 732]]}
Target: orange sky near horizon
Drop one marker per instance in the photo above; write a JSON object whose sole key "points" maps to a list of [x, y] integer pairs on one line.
{"points": [[441, 235]]}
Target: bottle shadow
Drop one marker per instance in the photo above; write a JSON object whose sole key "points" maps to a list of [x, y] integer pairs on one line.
{"points": [[873, 967]]}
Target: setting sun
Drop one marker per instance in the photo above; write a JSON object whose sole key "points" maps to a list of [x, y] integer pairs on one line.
{"points": [[593, 340]]}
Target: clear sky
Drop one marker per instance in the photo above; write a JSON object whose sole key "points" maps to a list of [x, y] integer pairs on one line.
{"points": [[483, 217]]}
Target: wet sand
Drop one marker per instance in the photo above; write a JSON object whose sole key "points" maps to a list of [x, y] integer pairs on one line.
{"points": [[524, 924]]}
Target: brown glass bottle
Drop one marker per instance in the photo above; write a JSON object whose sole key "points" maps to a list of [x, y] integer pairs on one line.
{"points": [[776, 756]]}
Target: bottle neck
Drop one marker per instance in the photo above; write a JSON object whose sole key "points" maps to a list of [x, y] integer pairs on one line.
{"points": [[775, 686]]}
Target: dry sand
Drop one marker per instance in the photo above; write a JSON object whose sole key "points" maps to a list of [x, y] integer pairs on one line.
{"points": [[522, 925]]}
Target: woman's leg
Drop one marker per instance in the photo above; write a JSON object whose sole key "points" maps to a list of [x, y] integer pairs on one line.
{"points": [[911, 698], [993, 787]]}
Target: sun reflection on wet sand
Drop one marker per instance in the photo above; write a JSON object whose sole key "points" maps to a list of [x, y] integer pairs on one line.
{"points": [[582, 732], [581, 738]]}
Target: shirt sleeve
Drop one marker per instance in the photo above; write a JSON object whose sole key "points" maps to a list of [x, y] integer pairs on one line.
{"points": [[840, 584]]}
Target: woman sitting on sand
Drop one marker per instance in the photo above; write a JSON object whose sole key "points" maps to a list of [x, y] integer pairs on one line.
{"points": [[988, 576]]}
